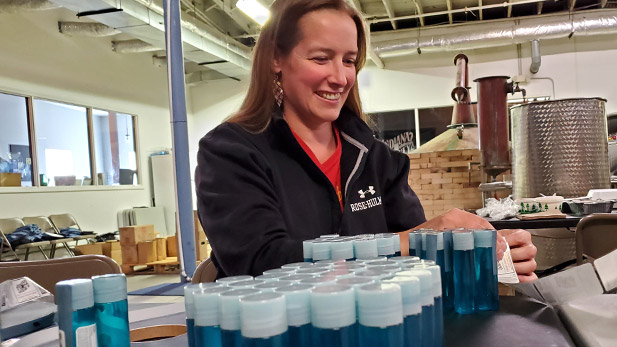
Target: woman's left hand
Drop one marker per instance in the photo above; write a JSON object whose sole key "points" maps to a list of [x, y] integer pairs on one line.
{"points": [[522, 250]]}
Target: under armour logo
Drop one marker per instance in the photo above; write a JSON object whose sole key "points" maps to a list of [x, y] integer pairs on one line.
{"points": [[363, 193]]}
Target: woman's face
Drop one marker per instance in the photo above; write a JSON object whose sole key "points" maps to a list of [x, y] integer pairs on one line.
{"points": [[319, 71]]}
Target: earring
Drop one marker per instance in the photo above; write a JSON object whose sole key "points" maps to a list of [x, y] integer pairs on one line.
{"points": [[277, 90]]}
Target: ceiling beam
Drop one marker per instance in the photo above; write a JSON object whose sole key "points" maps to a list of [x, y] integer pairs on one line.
{"points": [[540, 7], [509, 8], [241, 19], [480, 9], [369, 49], [420, 11], [449, 3], [390, 12]]}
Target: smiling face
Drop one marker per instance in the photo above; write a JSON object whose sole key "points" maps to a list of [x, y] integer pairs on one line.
{"points": [[319, 72]]}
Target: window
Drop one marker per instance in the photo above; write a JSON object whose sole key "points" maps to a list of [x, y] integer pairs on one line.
{"points": [[433, 122], [15, 152], [397, 129], [114, 144]]}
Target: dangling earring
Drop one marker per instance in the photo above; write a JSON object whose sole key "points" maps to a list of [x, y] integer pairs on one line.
{"points": [[277, 90]]}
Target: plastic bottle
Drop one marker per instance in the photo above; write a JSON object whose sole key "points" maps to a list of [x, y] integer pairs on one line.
{"points": [[207, 330], [189, 307], [229, 311], [112, 310], [397, 244], [333, 316], [385, 245], [342, 249], [231, 279], [437, 297], [402, 259], [76, 317], [428, 303], [298, 305], [415, 244], [300, 265], [245, 284], [380, 315], [437, 253], [293, 279], [485, 253], [464, 272], [264, 320], [412, 308], [307, 250], [270, 287], [321, 249], [365, 248], [424, 245], [448, 278]]}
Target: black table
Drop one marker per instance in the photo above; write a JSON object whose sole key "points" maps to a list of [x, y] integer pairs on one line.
{"points": [[515, 223]]}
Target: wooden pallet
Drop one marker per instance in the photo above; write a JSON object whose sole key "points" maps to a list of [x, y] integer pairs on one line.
{"points": [[169, 265], [136, 269]]}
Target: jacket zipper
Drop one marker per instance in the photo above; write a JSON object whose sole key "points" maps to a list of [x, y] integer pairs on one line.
{"points": [[354, 172]]}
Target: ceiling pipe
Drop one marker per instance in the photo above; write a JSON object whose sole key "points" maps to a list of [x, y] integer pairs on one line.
{"points": [[133, 46], [536, 58], [13, 6], [86, 29]]}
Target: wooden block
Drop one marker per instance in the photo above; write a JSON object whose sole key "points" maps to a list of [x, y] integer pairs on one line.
{"points": [[117, 256], [110, 246], [442, 180], [439, 160], [201, 250], [91, 248], [172, 246], [146, 252], [161, 248], [130, 255], [430, 176], [135, 234], [413, 155], [414, 166]]}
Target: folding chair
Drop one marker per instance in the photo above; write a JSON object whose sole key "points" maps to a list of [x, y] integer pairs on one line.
{"points": [[45, 224], [596, 235], [8, 226], [205, 272], [66, 220]]}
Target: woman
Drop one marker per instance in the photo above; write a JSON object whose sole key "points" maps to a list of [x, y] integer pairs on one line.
{"points": [[298, 161]]}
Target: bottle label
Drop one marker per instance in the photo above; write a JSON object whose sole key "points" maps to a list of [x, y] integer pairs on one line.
{"points": [[86, 336], [62, 338], [506, 272]]}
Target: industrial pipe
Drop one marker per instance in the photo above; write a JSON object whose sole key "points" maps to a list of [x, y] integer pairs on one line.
{"points": [[536, 58]]}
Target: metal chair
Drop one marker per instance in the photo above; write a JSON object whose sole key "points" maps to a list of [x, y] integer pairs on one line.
{"points": [[45, 224], [66, 220], [205, 272], [596, 235], [8, 226]]}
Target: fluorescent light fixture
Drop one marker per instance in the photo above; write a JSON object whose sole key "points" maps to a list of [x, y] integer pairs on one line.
{"points": [[254, 9]]}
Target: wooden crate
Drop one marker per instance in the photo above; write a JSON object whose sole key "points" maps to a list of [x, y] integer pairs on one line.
{"points": [[130, 255], [161, 248], [146, 252], [91, 248], [172, 246], [135, 234], [169, 265]]}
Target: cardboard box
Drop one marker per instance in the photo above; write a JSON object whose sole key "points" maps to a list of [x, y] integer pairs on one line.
{"points": [[202, 250], [91, 248], [10, 179], [161, 248], [110, 246], [135, 234], [172, 246], [129, 255], [117, 256], [146, 252]]}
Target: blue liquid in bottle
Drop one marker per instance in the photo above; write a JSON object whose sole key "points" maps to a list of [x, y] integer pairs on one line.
{"points": [[464, 272], [341, 337], [274, 341], [380, 315], [76, 316], [230, 320], [307, 250], [428, 303], [487, 294], [208, 336], [231, 338], [112, 324], [392, 336], [448, 277], [333, 316], [413, 331], [264, 322], [300, 336]]}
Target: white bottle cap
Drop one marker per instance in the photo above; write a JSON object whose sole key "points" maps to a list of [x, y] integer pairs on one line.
{"points": [[245, 284], [77, 293], [298, 302], [318, 281], [385, 244], [364, 248], [321, 264], [410, 291], [341, 249], [269, 287], [333, 307], [401, 259], [380, 263], [307, 249], [438, 236], [329, 236], [462, 241], [385, 268], [435, 275], [293, 279], [330, 262], [365, 260], [300, 265], [271, 277], [412, 239], [409, 262], [312, 271], [109, 288], [227, 280], [485, 238], [380, 305], [355, 282], [280, 270], [321, 249], [190, 289], [374, 275], [229, 307], [351, 267], [206, 306], [263, 315], [426, 283]]}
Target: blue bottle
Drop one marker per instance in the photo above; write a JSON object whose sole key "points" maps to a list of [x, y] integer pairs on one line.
{"points": [[436, 252], [385, 245], [412, 308], [437, 297], [76, 317], [428, 303], [321, 249], [189, 307], [397, 244], [333, 316], [448, 275], [264, 320], [415, 244], [229, 315], [424, 245], [365, 248], [207, 330], [112, 310], [298, 305], [464, 272], [307, 250], [342, 249], [380, 315], [485, 253]]}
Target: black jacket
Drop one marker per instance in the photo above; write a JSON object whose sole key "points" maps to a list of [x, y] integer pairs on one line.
{"points": [[260, 195]]}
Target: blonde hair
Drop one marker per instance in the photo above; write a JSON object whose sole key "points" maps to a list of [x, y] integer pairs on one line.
{"points": [[278, 37]]}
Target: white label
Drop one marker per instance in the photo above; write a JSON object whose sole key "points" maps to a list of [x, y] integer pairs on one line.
{"points": [[62, 338], [506, 272], [86, 336], [24, 291]]}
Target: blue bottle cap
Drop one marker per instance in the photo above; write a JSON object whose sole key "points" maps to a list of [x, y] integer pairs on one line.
{"points": [[365, 248], [385, 244], [263, 315], [321, 249], [77, 293], [380, 305], [109, 288], [435, 276], [293, 279], [272, 277], [485, 238], [462, 241], [410, 291], [268, 287], [229, 307], [227, 280], [341, 249], [190, 289], [245, 284], [298, 302], [307, 249], [426, 283], [355, 282], [333, 307], [318, 281], [280, 270], [401, 259], [206, 306], [300, 265]]}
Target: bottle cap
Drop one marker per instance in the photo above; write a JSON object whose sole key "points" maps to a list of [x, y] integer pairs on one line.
{"points": [[365, 248], [109, 288], [438, 239], [298, 302], [227, 280], [229, 307], [245, 284], [365, 260], [312, 271], [355, 282], [351, 267], [385, 268], [385, 244], [435, 276], [342, 249], [397, 242], [268, 287], [426, 283], [329, 236], [300, 265], [380, 305], [380, 263], [410, 291], [410, 262], [401, 259], [462, 241], [293, 279], [374, 275], [263, 315], [423, 235], [206, 306], [318, 281], [412, 239], [321, 249], [307, 249], [333, 307], [271, 277], [485, 238], [77, 293], [280, 270], [189, 290], [321, 264]]}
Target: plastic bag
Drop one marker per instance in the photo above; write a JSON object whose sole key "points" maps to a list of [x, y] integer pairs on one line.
{"points": [[499, 209]]}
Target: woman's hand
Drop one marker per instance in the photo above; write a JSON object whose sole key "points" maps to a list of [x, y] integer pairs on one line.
{"points": [[523, 253]]}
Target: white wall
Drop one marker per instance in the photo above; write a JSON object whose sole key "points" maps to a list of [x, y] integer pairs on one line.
{"points": [[37, 60]]}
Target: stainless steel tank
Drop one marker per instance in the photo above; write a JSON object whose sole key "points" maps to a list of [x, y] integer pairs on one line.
{"points": [[559, 146]]}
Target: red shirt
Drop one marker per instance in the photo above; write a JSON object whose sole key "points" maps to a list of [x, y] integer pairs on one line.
{"points": [[332, 166]]}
